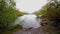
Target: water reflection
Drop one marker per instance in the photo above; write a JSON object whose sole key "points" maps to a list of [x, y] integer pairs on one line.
{"points": [[28, 21]]}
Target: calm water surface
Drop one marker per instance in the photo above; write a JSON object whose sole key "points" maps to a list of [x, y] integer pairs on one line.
{"points": [[28, 21]]}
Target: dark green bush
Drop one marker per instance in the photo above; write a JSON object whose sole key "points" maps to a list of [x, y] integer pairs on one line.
{"points": [[8, 14]]}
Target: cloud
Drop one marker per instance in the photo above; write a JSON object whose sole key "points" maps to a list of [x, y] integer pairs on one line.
{"points": [[30, 5]]}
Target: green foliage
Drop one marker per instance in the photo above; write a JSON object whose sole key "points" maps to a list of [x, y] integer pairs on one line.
{"points": [[8, 14], [52, 11], [41, 12], [19, 13]]}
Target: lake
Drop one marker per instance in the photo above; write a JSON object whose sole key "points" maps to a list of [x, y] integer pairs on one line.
{"points": [[28, 21]]}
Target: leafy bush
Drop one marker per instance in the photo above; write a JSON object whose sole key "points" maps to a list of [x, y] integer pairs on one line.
{"points": [[8, 14], [52, 12]]}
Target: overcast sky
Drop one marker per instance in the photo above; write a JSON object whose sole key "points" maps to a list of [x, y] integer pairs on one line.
{"points": [[30, 5]]}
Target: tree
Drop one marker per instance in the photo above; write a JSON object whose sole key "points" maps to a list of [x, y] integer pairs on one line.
{"points": [[52, 11], [8, 14]]}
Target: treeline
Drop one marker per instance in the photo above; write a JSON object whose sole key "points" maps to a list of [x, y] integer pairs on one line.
{"points": [[52, 12], [8, 13]]}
